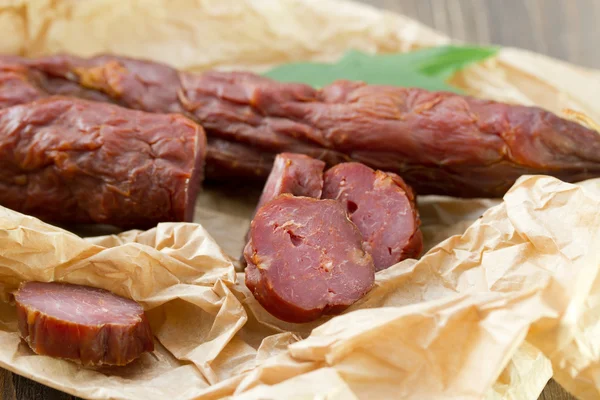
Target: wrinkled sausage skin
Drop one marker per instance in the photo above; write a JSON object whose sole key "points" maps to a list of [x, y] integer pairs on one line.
{"points": [[439, 142], [83, 324], [17, 85], [67, 160], [383, 208], [306, 259]]}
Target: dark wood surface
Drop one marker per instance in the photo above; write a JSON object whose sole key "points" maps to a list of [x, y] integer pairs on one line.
{"points": [[565, 29]]}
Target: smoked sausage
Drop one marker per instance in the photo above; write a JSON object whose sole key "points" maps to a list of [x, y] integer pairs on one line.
{"points": [[292, 173], [439, 142], [306, 259], [17, 86], [83, 324], [383, 208], [67, 160], [295, 174]]}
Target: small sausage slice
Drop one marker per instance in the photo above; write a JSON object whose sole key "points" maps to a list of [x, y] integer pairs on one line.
{"points": [[306, 258], [383, 208], [81, 323], [295, 174]]}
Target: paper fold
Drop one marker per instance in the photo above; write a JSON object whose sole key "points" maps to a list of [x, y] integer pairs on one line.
{"points": [[470, 319]]}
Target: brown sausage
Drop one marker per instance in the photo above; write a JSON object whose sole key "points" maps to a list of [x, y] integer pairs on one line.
{"points": [[67, 160], [439, 142], [306, 259], [295, 174], [383, 208], [83, 324]]}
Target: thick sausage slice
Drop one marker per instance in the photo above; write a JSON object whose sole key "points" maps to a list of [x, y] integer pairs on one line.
{"points": [[306, 258], [66, 160], [81, 323], [383, 208], [295, 174]]}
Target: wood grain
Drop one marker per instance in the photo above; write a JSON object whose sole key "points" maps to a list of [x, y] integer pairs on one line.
{"points": [[553, 391], [565, 29], [26, 389], [7, 389]]}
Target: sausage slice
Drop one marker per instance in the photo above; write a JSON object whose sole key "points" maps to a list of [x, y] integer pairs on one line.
{"points": [[306, 258], [383, 208], [296, 174], [80, 323]]}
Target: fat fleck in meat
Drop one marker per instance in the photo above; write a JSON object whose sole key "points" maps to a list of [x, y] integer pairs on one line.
{"points": [[440, 143], [67, 160], [306, 259], [383, 208], [83, 324]]}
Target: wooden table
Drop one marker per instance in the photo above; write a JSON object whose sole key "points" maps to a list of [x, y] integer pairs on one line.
{"points": [[566, 29]]}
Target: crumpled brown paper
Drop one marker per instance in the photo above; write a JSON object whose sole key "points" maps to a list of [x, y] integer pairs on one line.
{"points": [[491, 313], [452, 324]]}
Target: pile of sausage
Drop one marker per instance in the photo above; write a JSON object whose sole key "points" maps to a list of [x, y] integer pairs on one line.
{"points": [[69, 160], [82, 324], [440, 143], [317, 238], [127, 142]]}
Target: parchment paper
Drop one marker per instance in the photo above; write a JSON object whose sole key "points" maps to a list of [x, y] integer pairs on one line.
{"points": [[452, 324], [492, 312]]}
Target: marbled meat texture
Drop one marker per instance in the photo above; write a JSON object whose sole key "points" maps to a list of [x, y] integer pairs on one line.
{"points": [[306, 259], [296, 174], [82, 324], [383, 208]]}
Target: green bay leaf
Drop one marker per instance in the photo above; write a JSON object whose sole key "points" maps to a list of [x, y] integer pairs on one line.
{"points": [[428, 68]]}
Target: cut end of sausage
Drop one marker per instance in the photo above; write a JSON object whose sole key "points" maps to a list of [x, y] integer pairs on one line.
{"points": [[306, 259], [82, 324], [295, 174], [292, 173], [383, 208]]}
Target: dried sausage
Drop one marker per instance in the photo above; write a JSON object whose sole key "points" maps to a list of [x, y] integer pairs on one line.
{"points": [[227, 160], [439, 142], [292, 173], [383, 208], [295, 174], [67, 160], [83, 324], [306, 259]]}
